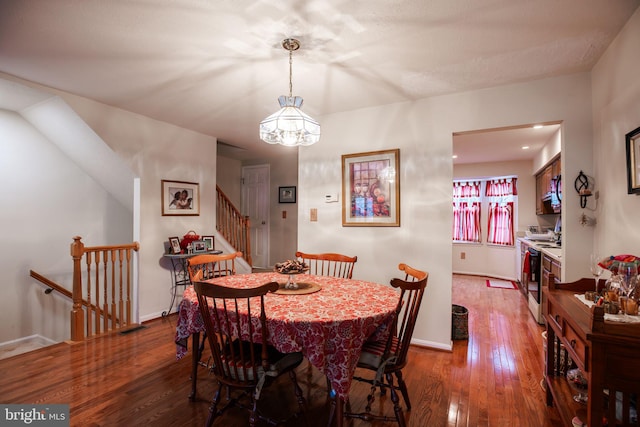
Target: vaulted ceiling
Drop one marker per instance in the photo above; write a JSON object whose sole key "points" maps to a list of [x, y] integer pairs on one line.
{"points": [[217, 66]]}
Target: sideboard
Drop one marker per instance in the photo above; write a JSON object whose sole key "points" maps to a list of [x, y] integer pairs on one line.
{"points": [[607, 352]]}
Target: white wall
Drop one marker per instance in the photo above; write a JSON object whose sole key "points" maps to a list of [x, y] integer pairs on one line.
{"points": [[47, 200], [229, 178], [488, 259], [154, 151], [616, 111], [423, 131]]}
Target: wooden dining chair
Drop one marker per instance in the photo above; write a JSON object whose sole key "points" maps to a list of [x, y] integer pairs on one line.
{"points": [[329, 264], [386, 358], [202, 267], [208, 266], [241, 363]]}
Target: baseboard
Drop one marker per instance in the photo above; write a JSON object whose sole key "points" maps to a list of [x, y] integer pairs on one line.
{"points": [[490, 276], [23, 345], [432, 345], [155, 315]]}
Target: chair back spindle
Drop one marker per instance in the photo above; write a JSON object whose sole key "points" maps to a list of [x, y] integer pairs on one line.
{"points": [[329, 264], [209, 266]]}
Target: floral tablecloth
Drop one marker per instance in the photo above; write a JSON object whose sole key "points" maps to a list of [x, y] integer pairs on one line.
{"points": [[328, 326]]}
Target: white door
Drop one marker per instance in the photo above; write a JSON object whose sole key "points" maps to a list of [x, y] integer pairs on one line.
{"points": [[255, 204]]}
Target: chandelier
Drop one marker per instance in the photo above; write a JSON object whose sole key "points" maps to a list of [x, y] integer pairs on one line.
{"points": [[290, 126]]}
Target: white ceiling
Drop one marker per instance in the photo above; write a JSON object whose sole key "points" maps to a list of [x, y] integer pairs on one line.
{"points": [[498, 145], [217, 66]]}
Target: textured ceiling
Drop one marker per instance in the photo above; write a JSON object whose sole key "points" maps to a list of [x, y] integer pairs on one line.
{"points": [[217, 67]]}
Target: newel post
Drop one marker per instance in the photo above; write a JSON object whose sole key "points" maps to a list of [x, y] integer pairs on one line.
{"points": [[77, 314]]}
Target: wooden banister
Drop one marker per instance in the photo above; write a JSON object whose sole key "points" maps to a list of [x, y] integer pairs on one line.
{"points": [[232, 225], [105, 271], [53, 286]]}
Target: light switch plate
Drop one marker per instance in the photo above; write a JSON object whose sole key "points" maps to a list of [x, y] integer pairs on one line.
{"points": [[313, 214]]}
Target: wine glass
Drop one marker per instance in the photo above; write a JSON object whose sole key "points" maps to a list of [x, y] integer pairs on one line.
{"points": [[629, 273], [578, 382], [596, 268]]}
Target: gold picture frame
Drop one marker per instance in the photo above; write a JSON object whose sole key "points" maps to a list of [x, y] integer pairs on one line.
{"points": [[633, 161], [371, 189]]}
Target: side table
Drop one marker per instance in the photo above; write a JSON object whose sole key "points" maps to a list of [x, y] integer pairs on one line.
{"points": [[180, 276]]}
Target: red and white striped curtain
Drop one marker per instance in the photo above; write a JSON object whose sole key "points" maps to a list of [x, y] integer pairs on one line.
{"points": [[501, 187], [500, 223], [466, 212], [466, 222], [466, 189], [500, 227]]}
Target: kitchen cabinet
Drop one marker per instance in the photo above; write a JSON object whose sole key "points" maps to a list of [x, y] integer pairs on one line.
{"points": [[544, 186], [551, 271], [605, 351]]}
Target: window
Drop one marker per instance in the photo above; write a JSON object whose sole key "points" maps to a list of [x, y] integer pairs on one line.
{"points": [[466, 211], [500, 195], [499, 199]]}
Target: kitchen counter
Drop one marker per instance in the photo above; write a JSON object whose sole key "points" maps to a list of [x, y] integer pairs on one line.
{"points": [[547, 247]]}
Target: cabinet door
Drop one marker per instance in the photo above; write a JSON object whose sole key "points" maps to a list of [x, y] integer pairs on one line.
{"points": [[539, 193], [555, 168], [547, 175], [549, 266]]}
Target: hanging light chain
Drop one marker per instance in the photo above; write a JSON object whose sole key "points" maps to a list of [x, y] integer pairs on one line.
{"points": [[291, 44], [290, 72]]}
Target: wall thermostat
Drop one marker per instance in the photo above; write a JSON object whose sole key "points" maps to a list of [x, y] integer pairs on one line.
{"points": [[331, 198]]}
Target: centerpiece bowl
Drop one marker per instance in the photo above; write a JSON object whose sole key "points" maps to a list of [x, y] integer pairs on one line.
{"points": [[291, 268]]}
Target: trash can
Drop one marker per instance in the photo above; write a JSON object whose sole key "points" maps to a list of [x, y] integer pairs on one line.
{"points": [[459, 322]]}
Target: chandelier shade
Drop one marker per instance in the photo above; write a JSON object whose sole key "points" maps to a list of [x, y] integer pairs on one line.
{"points": [[290, 126]]}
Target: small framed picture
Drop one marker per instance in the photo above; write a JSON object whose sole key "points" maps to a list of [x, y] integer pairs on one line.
{"points": [[180, 198], [633, 161], [199, 246], [208, 240], [287, 194], [174, 245]]}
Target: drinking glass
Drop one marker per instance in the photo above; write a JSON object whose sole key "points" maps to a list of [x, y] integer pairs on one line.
{"points": [[629, 273], [596, 269]]}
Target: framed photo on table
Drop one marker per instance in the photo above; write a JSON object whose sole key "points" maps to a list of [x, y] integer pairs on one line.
{"points": [[180, 198], [371, 189], [633, 161], [199, 246], [208, 240], [174, 245], [287, 194]]}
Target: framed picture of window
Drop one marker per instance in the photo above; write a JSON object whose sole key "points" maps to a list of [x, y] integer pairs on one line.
{"points": [[633, 161], [287, 194], [180, 198], [208, 240], [371, 189], [174, 245]]}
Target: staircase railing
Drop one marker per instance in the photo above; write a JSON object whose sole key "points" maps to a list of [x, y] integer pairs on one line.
{"points": [[102, 288], [232, 225]]}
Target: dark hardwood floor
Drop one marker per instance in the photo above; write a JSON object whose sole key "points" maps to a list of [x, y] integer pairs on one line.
{"points": [[492, 379]]}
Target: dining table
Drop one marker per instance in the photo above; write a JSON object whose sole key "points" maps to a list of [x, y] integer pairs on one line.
{"points": [[328, 320]]}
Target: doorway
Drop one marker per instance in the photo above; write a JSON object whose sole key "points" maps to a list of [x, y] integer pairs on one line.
{"points": [[255, 204], [510, 151]]}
